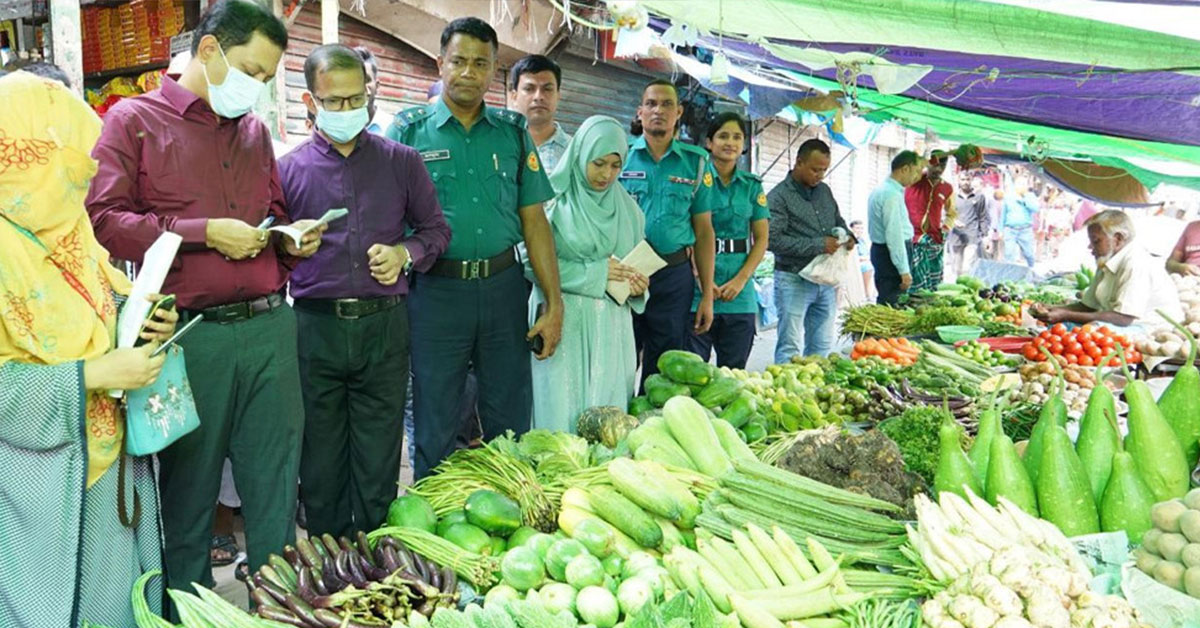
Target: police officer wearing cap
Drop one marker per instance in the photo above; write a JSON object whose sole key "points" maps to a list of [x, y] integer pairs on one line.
{"points": [[664, 175], [470, 307]]}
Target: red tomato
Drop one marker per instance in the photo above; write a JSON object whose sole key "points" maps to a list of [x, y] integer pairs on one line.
{"points": [[1096, 353], [1059, 330], [1086, 360], [1072, 358], [1056, 347], [1105, 342], [1087, 329], [1031, 352]]}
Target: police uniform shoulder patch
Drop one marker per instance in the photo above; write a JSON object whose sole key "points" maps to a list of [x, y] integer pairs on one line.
{"points": [[532, 162], [762, 199], [512, 117], [708, 179], [409, 116]]}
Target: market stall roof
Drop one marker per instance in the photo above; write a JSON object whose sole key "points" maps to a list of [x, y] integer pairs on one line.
{"points": [[1002, 75]]}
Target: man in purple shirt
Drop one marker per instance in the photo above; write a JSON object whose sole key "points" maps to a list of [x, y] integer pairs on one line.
{"points": [[188, 159], [350, 296]]}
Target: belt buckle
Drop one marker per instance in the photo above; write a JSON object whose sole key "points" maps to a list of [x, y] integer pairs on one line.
{"points": [[471, 268], [337, 309], [720, 246]]}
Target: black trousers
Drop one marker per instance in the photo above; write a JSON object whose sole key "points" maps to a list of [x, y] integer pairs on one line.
{"points": [[732, 335], [887, 278]]}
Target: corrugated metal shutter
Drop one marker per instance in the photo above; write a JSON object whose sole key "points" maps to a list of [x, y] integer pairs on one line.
{"points": [[405, 74], [599, 89]]}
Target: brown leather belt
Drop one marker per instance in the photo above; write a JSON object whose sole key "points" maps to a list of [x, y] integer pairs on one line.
{"points": [[473, 268], [676, 258], [233, 312], [349, 309]]}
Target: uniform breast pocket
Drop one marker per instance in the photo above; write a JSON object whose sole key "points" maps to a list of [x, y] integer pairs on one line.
{"points": [[502, 186], [638, 189], [444, 181], [679, 202]]}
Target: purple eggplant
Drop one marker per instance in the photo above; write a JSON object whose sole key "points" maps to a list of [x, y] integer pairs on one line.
{"points": [[304, 585], [292, 557], [346, 544], [371, 571], [308, 553], [329, 576], [281, 615], [449, 581], [262, 598], [389, 559], [331, 545], [301, 609], [271, 588], [364, 548], [435, 576], [352, 561]]}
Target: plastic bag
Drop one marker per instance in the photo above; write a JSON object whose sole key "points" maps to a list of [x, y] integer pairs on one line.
{"points": [[829, 269]]}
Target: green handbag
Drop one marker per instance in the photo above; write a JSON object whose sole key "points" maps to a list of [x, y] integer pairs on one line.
{"points": [[161, 413]]}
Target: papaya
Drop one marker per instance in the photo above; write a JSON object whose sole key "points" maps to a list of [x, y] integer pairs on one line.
{"points": [[1008, 478], [954, 468], [981, 449], [659, 389], [1098, 438], [492, 512], [412, 511], [1180, 402], [1063, 493], [640, 405], [470, 538], [1126, 502], [684, 367]]}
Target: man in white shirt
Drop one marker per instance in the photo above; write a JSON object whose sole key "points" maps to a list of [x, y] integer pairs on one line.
{"points": [[535, 83], [1129, 286]]}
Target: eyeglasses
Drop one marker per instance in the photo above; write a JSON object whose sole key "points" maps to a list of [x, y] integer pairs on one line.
{"points": [[340, 103]]}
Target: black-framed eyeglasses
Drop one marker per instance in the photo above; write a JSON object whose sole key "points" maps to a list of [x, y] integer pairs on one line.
{"points": [[342, 103]]}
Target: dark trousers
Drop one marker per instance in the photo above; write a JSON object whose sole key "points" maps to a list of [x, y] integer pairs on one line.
{"points": [[354, 375], [246, 382], [732, 335], [456, 322], [887, 277], [665, 324]]}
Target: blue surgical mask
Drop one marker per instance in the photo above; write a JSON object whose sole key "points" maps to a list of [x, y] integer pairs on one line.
{"points": [[342, 126], [237, 95]]}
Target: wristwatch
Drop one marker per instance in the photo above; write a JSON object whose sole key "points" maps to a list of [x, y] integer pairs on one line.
{"points": [[408, 261]]}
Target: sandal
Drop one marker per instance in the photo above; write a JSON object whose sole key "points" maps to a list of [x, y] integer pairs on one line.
{"points": [[241, 571], [223, 551]]}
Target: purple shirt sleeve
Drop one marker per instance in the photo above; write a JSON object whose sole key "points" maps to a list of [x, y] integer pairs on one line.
{"points": [[431, 233]]}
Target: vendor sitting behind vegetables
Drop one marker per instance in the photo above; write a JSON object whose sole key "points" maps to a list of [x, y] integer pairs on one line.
{"points": [[1129, 284]]}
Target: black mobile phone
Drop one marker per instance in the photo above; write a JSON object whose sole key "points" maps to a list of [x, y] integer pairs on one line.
{"points": [[165, 303], [178, 334], [537, 343]]}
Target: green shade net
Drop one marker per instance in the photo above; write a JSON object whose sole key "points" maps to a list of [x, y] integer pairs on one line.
{"points": [[973, 27]]}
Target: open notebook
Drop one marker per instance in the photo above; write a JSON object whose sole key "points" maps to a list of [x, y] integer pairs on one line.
{"points": [[298, 234], [643, 259]]}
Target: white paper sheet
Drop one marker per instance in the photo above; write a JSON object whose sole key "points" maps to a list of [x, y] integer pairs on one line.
{"points": [[644, 260], [151, 275]]}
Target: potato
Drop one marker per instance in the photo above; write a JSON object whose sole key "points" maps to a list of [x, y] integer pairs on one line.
{"points": [[1165, 515], [1171, 545], [1189, 525], [1150, 541], [1146, 562], [1191, 581], [1192, 499], [1190, 556], [1170, 574]]}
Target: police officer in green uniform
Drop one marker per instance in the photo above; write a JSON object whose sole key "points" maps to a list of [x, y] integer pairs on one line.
{"points": [[471, 306], [664, 174], [739, 207]]}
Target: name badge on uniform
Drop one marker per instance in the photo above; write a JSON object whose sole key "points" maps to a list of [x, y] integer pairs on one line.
{"points": [[681, 180], [435, 155], [633, 174]]}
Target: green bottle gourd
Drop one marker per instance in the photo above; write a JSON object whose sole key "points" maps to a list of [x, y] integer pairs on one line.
{"points": [[1151, 442], [1064, 496], [954, 469], [1180, 402], [1098, 438], [1053, 414], [981, 450], [1126, 502], [1007, 477]]}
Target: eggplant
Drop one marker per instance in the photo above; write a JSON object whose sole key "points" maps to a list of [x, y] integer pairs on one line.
{"points": [[328, 618], [261, 598], [329, 576], [274, 590], [356, 571], [301, 609], [389, 560], [449, 581], [435, 576], [292, 557], [331, 545], [347, 569], [318, 585], [421, 565], [308, 553], [371, 571], [304, 585], [318, 546], [346, 544], [281, 615], [364, 548]]}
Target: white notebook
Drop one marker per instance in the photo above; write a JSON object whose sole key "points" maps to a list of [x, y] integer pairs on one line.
{"points": [[644, 260], [297, 234], [151, 274]]}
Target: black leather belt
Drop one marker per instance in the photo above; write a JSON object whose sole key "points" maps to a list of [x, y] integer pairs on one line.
{"points": [[349, 309], [233, 312], [473, 268], [733, 246], [676, 258]]}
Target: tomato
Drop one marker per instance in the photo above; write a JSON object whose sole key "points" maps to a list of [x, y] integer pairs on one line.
{"points": [[1095, 353], [1106, 331], [1072, 358], [1056, 347], [1087, 329], [1070, 346], [1031, 352], [1105, 342], [1036, 342], [1086, 360], [1059, 330]]}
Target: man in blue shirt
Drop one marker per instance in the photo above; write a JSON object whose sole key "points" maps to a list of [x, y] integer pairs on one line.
{"points": [[664, 174], [890, 230], [1016, 219]]}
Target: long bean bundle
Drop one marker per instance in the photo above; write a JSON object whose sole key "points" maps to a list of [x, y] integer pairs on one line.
{"points": [[480, 570], [875, 320]]}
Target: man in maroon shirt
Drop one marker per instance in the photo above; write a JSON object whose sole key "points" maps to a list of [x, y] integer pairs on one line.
{"points": [[186, 158]]}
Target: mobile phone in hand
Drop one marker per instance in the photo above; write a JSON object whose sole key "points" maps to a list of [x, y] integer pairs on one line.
{"points": [[165, 303], [537, 343]]}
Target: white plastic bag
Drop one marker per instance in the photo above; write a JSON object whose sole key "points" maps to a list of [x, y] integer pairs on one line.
{"points": [[829, 269]]}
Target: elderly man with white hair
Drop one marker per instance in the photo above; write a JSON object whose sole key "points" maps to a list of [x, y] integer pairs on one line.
{"points": [[1129, 286]]}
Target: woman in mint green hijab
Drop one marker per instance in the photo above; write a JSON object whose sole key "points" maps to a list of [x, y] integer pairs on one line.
{"points": [[595, 222]]}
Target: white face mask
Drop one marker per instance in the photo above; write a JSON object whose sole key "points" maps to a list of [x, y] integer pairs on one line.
{"points": [[237, 95]]}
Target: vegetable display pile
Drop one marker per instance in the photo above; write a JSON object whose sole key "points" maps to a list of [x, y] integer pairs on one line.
{"points": [[915, 432], [1085, 345], [1168, 339], [875, 320], [1037, 379], [895, 350], [928, 318], [1170, 550], [983, 354]]}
